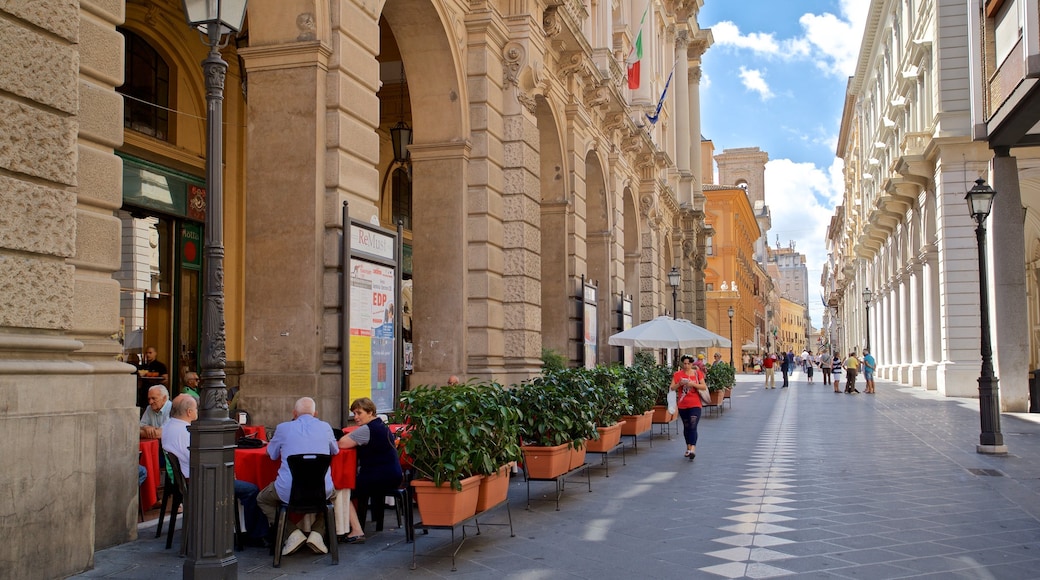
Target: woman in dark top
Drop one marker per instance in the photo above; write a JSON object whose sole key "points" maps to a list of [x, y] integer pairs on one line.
{"points": [[379, 469]]}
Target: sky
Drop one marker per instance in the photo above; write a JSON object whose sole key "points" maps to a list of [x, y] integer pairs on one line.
{"points": [[775, 79]]}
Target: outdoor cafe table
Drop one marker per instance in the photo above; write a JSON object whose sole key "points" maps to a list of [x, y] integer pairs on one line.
{"points": [[256, 467], [149, 458]]}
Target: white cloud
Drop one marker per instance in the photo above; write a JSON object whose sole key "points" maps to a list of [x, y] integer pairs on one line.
{"points": [[831, 41], [754, 81], [801, 198]]}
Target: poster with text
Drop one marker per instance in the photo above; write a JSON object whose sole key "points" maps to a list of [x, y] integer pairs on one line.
{"points": [[372, 333]]}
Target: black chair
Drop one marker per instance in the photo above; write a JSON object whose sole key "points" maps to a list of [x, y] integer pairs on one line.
{"points": [[179, 493], [377, 505], [177, 489], [307, 496]]}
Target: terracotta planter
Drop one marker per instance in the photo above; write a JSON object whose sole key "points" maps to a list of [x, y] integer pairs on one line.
{"points": [[546, 462], [729, 392], [442, 505], [661, 414], [577, 456], [636, 424], [716, 397], [608, 438], [494, 489]]}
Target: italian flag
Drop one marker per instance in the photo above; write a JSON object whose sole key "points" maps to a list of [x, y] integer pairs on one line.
{"points": [[636, 56]]}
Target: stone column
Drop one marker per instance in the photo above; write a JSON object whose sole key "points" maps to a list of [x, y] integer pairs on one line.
{"points": [[694, 91], [931, 312], [680, 81], [285, 222], [917, 322], [440, 261], [1010, 325], [905, 321]]}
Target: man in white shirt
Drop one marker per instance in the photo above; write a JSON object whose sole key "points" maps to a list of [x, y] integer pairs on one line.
{"points": [[175, 441], [156, 414]]}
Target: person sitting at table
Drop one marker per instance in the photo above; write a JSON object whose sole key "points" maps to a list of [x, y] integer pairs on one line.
{"points": [[379, 469], [175, 441], [157, 414], [152, 367], [191, 384], [304, 434]]}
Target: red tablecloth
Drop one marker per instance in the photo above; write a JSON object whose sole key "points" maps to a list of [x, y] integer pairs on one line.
{"points": [[254, 466], [257, 431], [149, 458]]}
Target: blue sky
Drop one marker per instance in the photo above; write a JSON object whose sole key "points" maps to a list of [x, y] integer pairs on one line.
{"points": [[775, 79]]}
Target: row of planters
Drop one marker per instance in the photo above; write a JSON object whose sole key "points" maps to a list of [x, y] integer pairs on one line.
{"points": [[464, 438]]}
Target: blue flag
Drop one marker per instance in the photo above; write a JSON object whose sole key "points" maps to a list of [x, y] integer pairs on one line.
{"points": [[660, 102]]}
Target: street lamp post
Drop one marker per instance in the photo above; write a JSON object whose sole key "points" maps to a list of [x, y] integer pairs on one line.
{"points": [[730, 312], [991, 440], [867, 296], [673, 280], [209, 521]]}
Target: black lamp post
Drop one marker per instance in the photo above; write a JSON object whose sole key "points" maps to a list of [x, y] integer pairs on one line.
{"points": [[210, 517], [867, 296], [673, 280], [980, 202], [730, 312]]}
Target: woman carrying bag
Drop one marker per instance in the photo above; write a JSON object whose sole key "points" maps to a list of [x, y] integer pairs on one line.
{"points": [[688, 384]]}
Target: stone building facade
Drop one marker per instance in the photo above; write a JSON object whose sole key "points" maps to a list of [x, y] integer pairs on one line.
{"points": [[904, 230], [531, 167]]}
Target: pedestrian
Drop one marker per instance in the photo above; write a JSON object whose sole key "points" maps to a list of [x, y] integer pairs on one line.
{"points": [[686, 382], [767, 365], [746, 359], [869, 364], [785, 368], [851, 365], [836, 370], [810, 362], [825, 367]]}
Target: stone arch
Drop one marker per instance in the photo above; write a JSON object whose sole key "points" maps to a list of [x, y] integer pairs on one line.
{"points": [[555, 209], [1029, 186], [428, 38], [599, 239], [632, 226]]}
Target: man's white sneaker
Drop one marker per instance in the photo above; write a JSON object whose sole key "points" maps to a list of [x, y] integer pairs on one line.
{"points": [[293, 542], [316, 543]]}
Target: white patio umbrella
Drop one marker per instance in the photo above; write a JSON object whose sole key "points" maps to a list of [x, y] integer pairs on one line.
{"points": [[665, 332], [751, 346]]}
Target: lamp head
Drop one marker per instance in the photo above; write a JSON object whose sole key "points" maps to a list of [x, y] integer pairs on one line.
{"points": [[401, 136], [867, 295], [227, 14], [674, 277], [980, 200], [730, 312]]}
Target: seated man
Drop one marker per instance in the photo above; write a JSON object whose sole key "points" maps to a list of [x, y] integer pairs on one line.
{"points": [[175, 439], [191, 384], [157, 414], [304, 434]]}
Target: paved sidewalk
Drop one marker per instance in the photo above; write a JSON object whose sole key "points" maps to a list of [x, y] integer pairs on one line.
{"points": [[797, 482]]}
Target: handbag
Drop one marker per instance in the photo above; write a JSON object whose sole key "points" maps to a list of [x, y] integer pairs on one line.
{"points": [[705, 396], [672, 404]]}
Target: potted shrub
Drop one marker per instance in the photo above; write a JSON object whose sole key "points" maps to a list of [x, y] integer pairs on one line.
{"points": [[442, 444], [639, 380], [608, 399], [495, 452], [719, 377], [553, 419], [662, 380]]}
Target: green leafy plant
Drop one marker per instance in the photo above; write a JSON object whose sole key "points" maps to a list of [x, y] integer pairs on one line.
{"points": [[552, 360], [640, 384], [552, 409], [606, 394], [720, 376], [460, 430]]}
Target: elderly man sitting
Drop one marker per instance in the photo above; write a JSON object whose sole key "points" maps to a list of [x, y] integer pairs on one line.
{"points": [[304, 434], [175, 441], [157, 414]]}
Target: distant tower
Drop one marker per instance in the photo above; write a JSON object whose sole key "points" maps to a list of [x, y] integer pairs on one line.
{"points": [[746, 168]]}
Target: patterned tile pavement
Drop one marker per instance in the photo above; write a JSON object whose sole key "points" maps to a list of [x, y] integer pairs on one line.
{"points": [[798, 482]]}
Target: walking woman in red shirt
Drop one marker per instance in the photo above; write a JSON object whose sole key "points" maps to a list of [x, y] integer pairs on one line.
{"points": [[685, 383]]}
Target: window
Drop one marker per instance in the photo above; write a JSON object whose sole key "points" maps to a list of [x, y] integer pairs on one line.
{"points": [[1008, 25], [147, 88], [709, 246]]}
